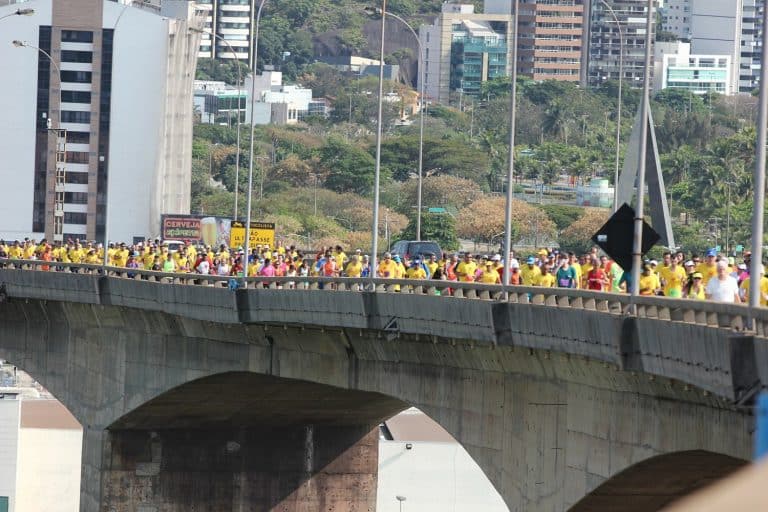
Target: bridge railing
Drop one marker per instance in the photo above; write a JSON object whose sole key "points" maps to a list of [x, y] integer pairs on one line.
{"points": [[713, 314]]}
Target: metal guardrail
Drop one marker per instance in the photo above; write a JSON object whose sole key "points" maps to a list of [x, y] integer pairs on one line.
{"points": [[737, 317]]}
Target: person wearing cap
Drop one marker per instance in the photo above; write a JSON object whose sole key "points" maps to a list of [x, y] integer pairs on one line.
{"points": [[708, 267], [488, 274], [723, 287], [416, 270], [696, 288], [530, 272], [744, 288]]}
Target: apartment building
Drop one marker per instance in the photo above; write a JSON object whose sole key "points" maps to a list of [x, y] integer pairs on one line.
{"points": [[99, 134], [606, 41], [549, 37], [229, 20], [463, 49], [676, 18]]}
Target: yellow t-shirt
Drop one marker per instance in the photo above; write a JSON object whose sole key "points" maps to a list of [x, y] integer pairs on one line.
{"points": [[354, 269], [415, 273], [707, 271], [763, 290], [388, 269], [466, 270], [545, 280], [529, 275], [649, 284], [432, 266], [489, 276], [673, 281]]}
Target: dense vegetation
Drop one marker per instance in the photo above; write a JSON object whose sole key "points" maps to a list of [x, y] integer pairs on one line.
{"points": [[707, 147]]}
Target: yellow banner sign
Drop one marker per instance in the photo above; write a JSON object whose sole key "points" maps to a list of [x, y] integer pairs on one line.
{"points": [[262, 233]]}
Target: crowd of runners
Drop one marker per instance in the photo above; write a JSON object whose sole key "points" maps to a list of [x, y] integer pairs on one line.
{"points": [[708, 277]]}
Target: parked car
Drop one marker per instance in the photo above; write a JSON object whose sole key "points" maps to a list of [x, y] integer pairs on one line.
{"points": [[414, 248]]}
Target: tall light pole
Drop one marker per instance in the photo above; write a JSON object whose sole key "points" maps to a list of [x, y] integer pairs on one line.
{"points": [[618, 107], [758, 209], [637, 243], [511, 168], [60, 169], [19, 12], [422, 107], [401, 499], [377, 167], [239, 95], [254, 57]]}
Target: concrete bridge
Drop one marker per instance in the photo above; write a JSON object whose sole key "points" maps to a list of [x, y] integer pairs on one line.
{"points": [[196, 397]]}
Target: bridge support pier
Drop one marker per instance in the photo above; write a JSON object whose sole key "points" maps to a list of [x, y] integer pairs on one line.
{"points": [[287, 468]]}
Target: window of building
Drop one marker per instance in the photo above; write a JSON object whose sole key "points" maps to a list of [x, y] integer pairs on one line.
{"points": [[76, 56], [77, 178], [77, 157], [68, 116], [79, 77], [75, 218], [76, 36], [76, 197], [75, 97], [78, 137]]}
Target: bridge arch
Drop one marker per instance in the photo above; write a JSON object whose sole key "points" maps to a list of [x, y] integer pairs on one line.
{"points": [[654, 483]]}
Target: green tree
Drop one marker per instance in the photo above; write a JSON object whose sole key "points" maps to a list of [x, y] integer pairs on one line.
{"points": [[440, 228], [348, 167]]}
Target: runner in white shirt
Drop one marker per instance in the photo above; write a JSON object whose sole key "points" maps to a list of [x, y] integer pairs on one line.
{"points": [[723, 287]]}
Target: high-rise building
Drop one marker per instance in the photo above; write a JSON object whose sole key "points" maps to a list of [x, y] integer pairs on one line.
{"points": [[229, 20], [463, 49], [606, 41], [98, 136], [550, 37], [750, 45], [676, 18]]}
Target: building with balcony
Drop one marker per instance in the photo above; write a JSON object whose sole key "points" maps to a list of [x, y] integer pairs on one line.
{"points": [[550, 37], [463, 49], [229, 20], [605, 42], [677, 68], [108, 123]]}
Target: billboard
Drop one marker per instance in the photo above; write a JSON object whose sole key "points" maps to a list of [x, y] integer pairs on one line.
{"points": [[262, 233], [196, 229]]}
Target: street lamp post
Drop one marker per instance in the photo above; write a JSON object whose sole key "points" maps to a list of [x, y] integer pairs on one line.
{"points": [[618, 107], [511, 168], [19, 12], [61, 150], [637, 242], [759, 175], [377, 167], [254, 60], [400, 499], [422, 107]]}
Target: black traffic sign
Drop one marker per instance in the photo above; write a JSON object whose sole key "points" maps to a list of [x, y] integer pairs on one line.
{"points": [[616, 236]]}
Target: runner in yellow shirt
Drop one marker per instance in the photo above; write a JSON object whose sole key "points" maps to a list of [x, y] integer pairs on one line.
{"points": [[673, 278], [708, 267], [546, 279], [530, 272]]}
